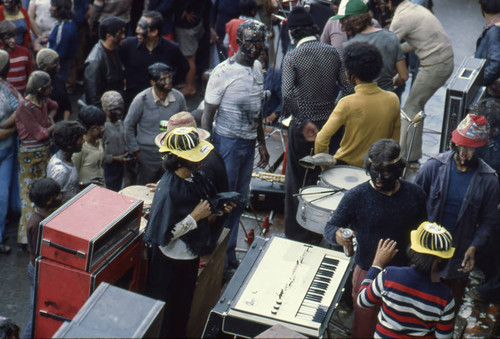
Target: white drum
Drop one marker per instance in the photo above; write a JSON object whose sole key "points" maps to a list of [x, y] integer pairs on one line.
{"points": [[316, 206], [343, 176]]}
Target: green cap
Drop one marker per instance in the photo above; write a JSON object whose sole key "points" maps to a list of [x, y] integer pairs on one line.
{"points": [[350, 8]]}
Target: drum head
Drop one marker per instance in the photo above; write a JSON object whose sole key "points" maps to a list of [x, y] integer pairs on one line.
{"points": [[345, 177], [139, 192], [321, 197]]}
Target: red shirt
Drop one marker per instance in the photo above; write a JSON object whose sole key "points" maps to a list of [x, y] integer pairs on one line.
{"points": [[21, 66], [32, 122], [232, 34]]}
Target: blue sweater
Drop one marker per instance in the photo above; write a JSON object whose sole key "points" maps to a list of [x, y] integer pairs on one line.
{"points": [[374, 216]]}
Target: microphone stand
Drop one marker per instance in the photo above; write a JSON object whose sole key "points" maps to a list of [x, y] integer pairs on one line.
{"points": [[417, 119]]}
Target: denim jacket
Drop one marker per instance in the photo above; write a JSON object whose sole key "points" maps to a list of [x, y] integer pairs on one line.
{"points": [[477, 214]]}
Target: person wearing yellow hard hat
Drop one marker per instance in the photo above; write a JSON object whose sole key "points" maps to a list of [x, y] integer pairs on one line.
{"points": [[414, 300], [178, 229]]}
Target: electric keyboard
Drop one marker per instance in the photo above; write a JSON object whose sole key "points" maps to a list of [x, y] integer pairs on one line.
{"points": [[281, 281]]}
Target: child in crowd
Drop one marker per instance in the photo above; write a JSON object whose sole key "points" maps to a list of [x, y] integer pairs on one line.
{"points": [[114, 140], [45, 194], [68, 137], [90, 159], [21, 63]]}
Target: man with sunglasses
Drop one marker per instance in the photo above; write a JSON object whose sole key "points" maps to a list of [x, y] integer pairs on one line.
{"points": [[384, 207], [142, 124], [462, 195]]}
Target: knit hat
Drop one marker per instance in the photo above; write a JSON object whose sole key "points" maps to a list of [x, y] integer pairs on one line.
{"points": [[299, 17], [4, 59], [45, 57], [350, 8], [111, 100], [473, 131], [186, 144], [430, 238]]}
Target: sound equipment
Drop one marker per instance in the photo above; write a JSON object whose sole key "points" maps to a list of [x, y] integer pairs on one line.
{"points": [[267, 191], [464, 91], [89, 228], [281, 281], [93, 238], [113, 312], [343, 177], [316, 207]]}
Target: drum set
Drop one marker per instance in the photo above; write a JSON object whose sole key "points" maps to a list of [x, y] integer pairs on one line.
{"points": [[143, 193], [317, 203]]}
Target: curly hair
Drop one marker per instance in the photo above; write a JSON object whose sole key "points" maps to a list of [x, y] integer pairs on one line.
{"points": [[354, 24], [362, 60], [490, 109], [67, 133], [42, 190], [91, 116], [304, 31]]}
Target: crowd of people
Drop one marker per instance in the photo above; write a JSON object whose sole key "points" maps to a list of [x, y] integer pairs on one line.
{"points": [[341, 84]]}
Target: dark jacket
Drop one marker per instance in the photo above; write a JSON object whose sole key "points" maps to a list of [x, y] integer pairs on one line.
{"points": [[102, 74], [477, 214], [488, 47]]}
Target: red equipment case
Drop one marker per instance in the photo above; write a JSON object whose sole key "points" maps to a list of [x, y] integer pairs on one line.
{"points": [[92, 238], [89, 228], [61, 290]]}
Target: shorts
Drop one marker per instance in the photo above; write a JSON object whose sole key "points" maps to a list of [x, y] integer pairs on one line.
{"points": [[189, 38]]}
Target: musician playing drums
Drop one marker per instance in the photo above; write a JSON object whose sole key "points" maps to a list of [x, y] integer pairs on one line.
{"points": [[368, 115], [178, 228], [384, 207]]}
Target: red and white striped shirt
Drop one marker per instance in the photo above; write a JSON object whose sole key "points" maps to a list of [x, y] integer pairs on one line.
{"points": [[21, 66]]}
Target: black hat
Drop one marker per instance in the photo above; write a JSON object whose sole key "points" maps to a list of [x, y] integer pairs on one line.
{"points": [[299, 17]]}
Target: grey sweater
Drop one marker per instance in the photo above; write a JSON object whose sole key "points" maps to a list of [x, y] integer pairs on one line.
{"points": [[142, 123]]}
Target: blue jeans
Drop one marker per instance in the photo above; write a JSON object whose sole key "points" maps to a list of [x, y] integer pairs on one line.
{"points": [[238, 155], [6, 171], [29, 327]]}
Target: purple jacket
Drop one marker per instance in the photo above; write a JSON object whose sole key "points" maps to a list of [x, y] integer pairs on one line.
{"points": [[477, 214]]}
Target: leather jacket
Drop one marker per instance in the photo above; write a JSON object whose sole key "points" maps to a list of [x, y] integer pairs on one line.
{"points": [[102, 74]]}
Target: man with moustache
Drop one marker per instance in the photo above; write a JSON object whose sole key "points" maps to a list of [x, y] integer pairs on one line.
{"points": [[103, 68], [462, 196], [233, 99], [385, 207], [146, 48], [142, 123]]}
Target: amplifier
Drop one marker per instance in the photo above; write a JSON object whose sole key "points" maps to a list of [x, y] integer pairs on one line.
{"points": [[267, 195], [61, 290], [88, 229], [112, 312], [463, 92]]}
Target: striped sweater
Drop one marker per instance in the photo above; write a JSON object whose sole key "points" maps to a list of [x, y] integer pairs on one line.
{"points": [[21, 66], [412, 305]]}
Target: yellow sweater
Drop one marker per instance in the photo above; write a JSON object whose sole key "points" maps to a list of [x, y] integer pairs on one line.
{"points": [[368, 115]]}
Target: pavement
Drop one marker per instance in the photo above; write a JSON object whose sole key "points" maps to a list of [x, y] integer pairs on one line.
{"points": [[463, 22]]}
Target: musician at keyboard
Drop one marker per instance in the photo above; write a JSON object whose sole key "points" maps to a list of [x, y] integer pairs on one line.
{"points": [[385, 207]]}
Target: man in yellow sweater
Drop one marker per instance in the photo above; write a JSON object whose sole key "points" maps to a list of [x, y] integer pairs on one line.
{"points": [[368, 115]]}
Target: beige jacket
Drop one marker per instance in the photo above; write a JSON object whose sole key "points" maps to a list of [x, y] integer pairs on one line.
{"points": [[422, 32]]}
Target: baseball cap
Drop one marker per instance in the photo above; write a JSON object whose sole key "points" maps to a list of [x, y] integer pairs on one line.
{"points": [[350, 8]]}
